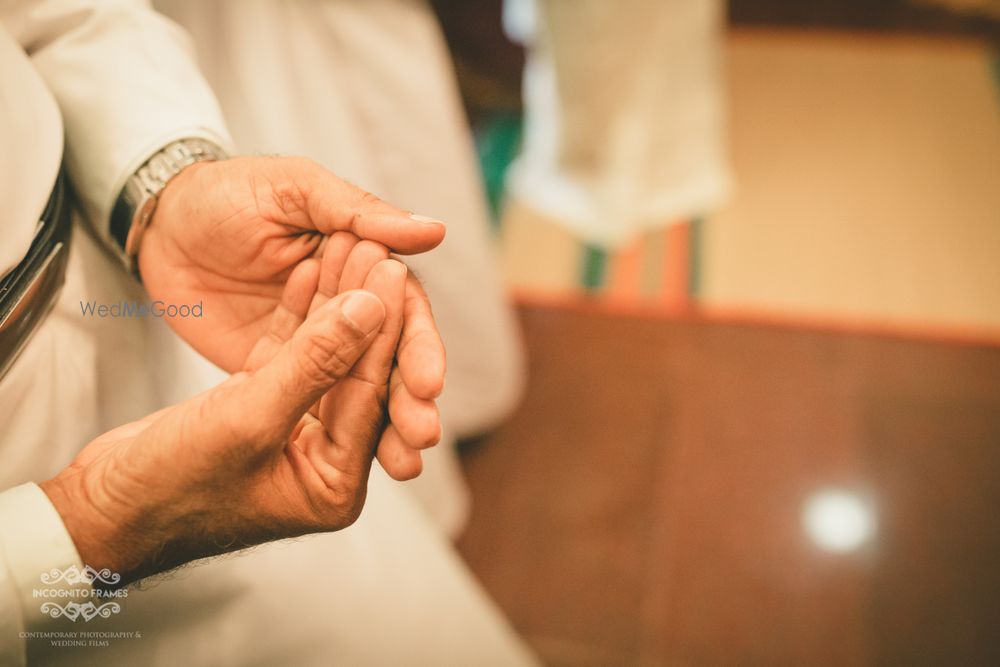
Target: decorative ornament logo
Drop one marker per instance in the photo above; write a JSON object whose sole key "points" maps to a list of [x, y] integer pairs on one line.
{"points": [[74, 575], [75, 611], [84, 601]]}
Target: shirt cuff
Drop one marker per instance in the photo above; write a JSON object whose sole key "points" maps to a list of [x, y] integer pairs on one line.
{"points": [[43, 567]]}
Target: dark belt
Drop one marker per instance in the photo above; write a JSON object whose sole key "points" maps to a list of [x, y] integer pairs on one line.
{"points": [[29, 290]]}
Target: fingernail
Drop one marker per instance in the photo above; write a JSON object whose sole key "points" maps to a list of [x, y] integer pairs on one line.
{"points": [[364, 311], [425, 219]]}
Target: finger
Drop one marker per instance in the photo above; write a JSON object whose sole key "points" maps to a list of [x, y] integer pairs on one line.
{"points": [[335, 205], [355, 409], [398, 460], [328, 460], [289, 315], [335, 256], [407, 236], [320, 353], [387, 280], [360, 263], [421, 352], [415, 419]]}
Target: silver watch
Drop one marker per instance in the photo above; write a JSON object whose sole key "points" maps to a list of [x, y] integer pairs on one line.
{"points": [[137, 201]]}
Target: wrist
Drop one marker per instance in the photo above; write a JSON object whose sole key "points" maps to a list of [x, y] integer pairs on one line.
{"points": [[159, 238], [106, 534], [138, 199]]}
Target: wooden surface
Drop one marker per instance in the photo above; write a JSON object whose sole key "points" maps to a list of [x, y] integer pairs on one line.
{"points": [[644, 506], [868, 181], [969, 17]]}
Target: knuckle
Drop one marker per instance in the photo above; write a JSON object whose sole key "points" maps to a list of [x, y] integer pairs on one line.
{"points": [[325, 359], [406, 468], [352, 514], [430, 437], [369, 198], [344, 504], [343, 358], [288, 195], [409, 471]]}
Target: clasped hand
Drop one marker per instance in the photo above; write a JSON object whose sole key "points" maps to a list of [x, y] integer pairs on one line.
{"points": [[338, 360]]}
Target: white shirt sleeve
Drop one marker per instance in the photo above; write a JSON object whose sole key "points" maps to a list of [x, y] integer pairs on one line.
{"points": [[126, 83], [33, 542]]}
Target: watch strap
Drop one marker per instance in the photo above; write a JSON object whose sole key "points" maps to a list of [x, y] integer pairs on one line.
{"points": [[137, 201]]}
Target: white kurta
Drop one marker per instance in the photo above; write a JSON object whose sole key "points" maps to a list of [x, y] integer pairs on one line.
{"points": [[389, 590], [367, 89], [624, 113], [49, 403]]}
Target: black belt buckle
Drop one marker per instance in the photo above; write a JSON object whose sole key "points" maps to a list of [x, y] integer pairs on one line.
{"points": [[29, 290]]}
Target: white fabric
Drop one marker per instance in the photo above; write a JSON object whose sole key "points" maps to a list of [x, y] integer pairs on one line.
{"points": [[110, 135], [34, 541], [124, 84], [623, 113], [389, 590], [31, 129], [367, 89], [48, 403]]}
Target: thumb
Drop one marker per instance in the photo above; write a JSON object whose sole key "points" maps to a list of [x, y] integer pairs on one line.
{"points": [[322, 351]]}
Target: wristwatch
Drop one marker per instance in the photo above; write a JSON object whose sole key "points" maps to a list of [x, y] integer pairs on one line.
{"points": [[138, 198]]}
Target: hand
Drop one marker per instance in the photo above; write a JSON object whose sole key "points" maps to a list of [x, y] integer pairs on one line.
{"points": [[228, 234], [245, 462], [414, 421]]}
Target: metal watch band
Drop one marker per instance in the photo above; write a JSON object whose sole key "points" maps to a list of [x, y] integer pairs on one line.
{"points": [[137, 201]]}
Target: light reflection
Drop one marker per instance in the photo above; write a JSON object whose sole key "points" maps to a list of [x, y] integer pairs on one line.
{"points": [[838, 520]]}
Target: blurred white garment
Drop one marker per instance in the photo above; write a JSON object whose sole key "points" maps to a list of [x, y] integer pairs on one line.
{"points": [[367, 89], [389, 590], [623, 113], [56, 85]]}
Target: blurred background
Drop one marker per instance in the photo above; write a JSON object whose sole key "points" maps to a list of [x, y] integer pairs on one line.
{"points": [[755, 249]]}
